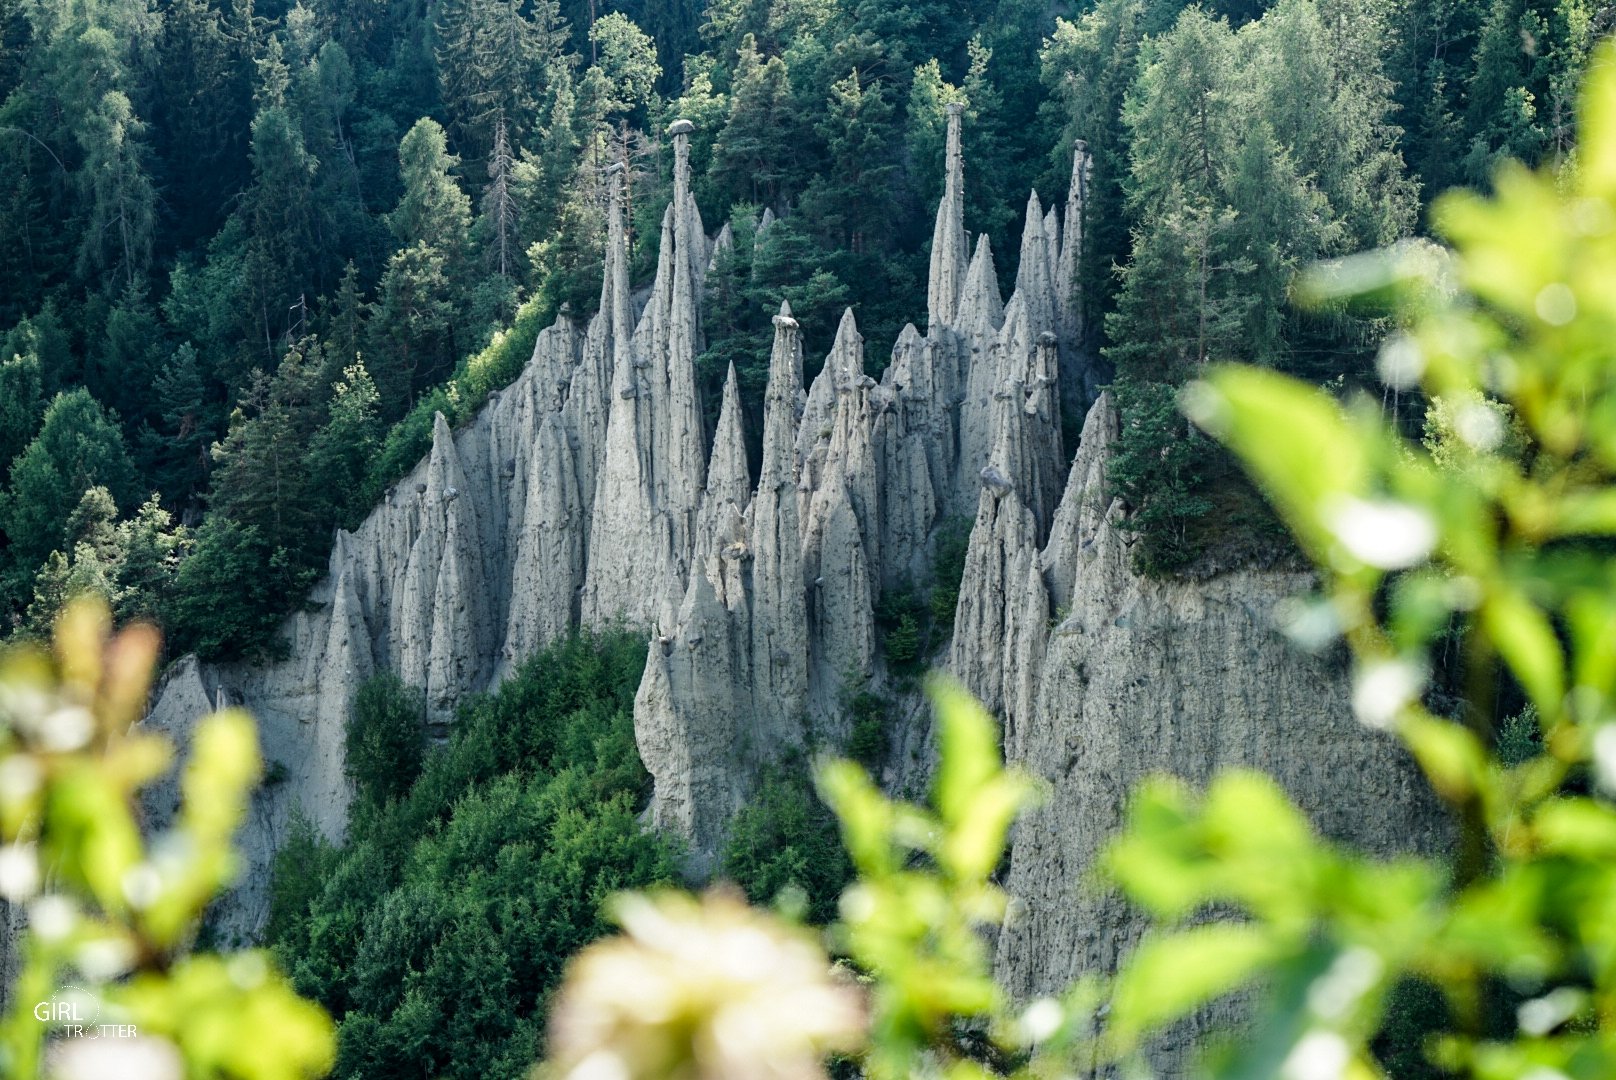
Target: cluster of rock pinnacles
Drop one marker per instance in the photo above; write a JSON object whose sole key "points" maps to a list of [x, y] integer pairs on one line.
{"points": [[589, 493]]}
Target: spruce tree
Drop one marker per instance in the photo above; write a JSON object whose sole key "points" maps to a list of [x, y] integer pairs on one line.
{"points": [[120, 200], [499, 207], [260, 477], [78, 447]]}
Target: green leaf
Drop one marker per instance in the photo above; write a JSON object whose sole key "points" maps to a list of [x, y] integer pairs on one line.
{"points": [[1172, 974], [1527, 643], [1581, 828], [1453, 758], [1596, 149], [968, 749], [1293, 437]]}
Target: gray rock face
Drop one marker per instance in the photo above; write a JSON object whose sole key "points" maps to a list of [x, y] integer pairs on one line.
{"points": [[841, 540], [779, 608], [1133, 677]]}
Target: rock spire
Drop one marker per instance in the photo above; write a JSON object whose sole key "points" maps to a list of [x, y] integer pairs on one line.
{"points": [[948, 245]]}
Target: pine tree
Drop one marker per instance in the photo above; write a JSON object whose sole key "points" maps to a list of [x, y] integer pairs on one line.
{"points": [[200, 127], [22, 401], [345, 326], [174, 449], [78, 447], [432, 209], [756, 155], [282, 258], [493, 57], [260, 478], [341, 452], [125, 362], [411, 327], [499, 207], [117, 189], [852, 199]]}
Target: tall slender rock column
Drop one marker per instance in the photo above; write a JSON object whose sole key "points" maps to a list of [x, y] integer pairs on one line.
{"points": [[1078, 380], [779, 609], [948, 247], [679, 465]]}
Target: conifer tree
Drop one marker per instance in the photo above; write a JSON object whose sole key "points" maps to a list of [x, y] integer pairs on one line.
{"points": [[755, 156], [22, 401], [411, 327], [432, 209], [199, 129], [125, 362], [118, 193], [281, 256], [260, 478], [499, 207], [174, 448], [492, 59], [853, 197], [78, 447]]}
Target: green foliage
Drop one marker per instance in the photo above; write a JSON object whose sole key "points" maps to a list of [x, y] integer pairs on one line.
{"points": [[1507, 536], [626, 58], [901, 640], [341, 452], [912, 622], [652, 1004], [226, 600], [104, 922], [925, 889], [1289, 155], [78, 447], [494, 61], [302, 863], [870, 738], [383, 749], [784, 839], [131, 564], [952, 538], [437, 931], [1157, 470]]}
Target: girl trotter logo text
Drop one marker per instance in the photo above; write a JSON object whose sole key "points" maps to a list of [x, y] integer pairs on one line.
{"points": [[75, 1013]]}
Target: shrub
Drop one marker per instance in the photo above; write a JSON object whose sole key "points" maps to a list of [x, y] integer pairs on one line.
{"points": [[868, 742], [384, 737], [786, 837], [948, 568], [1156, 469]]}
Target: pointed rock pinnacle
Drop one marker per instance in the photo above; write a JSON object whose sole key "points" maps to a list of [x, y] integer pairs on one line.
{"points": [[948, 246]]}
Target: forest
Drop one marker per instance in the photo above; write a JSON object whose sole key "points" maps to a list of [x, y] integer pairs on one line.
{"points": [[248, 249]]}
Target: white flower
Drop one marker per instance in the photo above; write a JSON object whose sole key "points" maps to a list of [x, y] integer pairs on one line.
{"points": [[710, 990], [1318, 1055], [19, 872], [1381, 689], [1382, 533]]}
